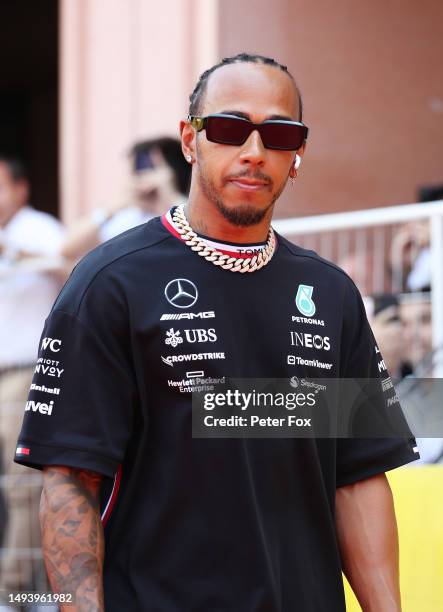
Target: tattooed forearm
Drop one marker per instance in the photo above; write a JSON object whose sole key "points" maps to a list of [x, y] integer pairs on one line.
{"points": [[72, 536]]}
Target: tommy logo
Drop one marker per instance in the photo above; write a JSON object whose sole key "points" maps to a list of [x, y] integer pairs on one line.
{"points": [[173, 337], [53, 343], [40, 407], [303, 300]]}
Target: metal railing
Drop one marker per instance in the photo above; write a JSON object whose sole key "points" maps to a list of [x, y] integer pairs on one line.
{"points": [[323, 232]]}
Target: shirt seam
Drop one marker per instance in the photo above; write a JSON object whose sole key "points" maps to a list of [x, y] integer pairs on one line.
{"points": [[315, 257], [112, 262]]}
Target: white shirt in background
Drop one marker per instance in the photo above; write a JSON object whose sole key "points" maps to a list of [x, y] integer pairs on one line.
{"points": [[26, 297], [125, 219]]}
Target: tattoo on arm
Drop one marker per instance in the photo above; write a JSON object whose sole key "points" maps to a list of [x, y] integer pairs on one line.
{"points": [[72, 535]]}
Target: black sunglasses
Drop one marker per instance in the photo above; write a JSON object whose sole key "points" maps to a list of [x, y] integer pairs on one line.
{"points": [[233, 130]]}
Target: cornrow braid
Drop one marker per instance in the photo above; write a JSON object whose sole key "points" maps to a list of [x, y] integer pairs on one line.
{"points": [[196, 97]]}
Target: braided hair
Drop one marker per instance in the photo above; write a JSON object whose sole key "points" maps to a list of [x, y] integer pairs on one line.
{"points": [[196, 96]]}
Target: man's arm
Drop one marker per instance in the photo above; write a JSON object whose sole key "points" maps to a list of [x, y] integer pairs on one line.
{"points": [[368, 541], [72, 535]]}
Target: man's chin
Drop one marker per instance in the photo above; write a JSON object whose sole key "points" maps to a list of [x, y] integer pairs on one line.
{"points": [[244, 214]]}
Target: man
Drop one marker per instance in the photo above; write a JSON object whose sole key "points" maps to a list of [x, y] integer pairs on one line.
{"points": [[159, 176], [210, 524], [29, 242]]}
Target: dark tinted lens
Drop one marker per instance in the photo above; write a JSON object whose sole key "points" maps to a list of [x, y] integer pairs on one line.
{"points": [[285, 136], [227, 130]]}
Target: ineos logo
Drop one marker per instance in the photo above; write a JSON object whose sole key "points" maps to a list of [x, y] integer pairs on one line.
{"points": [[181, 293]]}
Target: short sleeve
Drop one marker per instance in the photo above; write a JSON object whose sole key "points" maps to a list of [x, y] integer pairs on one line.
{"points": [[360, 457], [81, 402]]}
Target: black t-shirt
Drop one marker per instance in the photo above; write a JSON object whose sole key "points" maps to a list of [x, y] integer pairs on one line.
{"points": [[238, 525]]}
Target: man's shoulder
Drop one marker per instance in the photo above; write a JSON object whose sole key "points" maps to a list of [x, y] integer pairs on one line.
{"points": [[314, 261], [108, 265]]}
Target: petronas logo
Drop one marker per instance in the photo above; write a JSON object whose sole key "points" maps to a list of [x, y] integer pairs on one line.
{"points": [[304, 301]]}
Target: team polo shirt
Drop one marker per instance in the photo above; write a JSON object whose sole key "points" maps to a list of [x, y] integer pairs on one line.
{"points": [[202, 525]]}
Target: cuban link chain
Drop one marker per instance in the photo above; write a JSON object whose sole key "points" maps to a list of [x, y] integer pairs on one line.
{"points": [[227, 262]]}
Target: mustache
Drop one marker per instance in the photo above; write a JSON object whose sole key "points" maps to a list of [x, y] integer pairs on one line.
{"points": [[257, 175]]}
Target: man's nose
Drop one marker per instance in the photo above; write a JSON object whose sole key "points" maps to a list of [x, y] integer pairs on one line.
{"points": [[253, 150]]}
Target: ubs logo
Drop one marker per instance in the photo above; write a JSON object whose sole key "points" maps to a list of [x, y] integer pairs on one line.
{"points": [[174, 338], [181, 293]]}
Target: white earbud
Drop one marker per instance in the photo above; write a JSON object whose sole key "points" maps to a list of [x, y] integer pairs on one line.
{"points": [[297, 162]]}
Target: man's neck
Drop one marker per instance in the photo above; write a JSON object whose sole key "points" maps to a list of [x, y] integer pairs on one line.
{"points": [[205, 218]]}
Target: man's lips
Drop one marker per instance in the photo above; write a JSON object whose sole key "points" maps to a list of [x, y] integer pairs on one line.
{"points": [[249, 184]]}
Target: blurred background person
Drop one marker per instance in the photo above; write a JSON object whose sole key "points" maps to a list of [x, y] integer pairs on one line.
{"points": [[410, 249], [420, 396], [29, 243], [160, 177], [416, 317], [383, 312]]}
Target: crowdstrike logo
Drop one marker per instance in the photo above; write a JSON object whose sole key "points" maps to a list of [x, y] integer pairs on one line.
{"points": [[52, 343], [181, 293], [170, 360]]}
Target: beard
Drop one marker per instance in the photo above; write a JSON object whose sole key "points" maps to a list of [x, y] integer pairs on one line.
{"points": [[243, 214]]}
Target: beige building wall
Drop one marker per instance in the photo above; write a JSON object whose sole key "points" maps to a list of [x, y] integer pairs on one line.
{"points": [[127, 68], [370, 74]]}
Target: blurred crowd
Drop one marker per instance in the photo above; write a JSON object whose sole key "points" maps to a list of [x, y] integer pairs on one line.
{"points": [[37, 254]]}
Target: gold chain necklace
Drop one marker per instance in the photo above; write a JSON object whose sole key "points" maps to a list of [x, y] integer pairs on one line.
{"points": [[227, 262]]}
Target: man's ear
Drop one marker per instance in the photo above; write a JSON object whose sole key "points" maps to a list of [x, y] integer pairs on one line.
{"points": [[300, 152], [188, 136]]}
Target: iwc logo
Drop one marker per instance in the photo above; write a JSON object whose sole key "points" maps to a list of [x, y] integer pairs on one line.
{"points": [[304, 301], [181, 293]]}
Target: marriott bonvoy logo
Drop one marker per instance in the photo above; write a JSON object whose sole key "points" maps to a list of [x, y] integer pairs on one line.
{"points": [[48, 367]]}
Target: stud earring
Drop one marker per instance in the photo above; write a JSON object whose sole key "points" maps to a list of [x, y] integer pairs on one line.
{"points": [[189, 158]]}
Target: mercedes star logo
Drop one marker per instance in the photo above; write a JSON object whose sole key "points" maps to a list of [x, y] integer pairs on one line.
{"points": [[181, 293]]}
